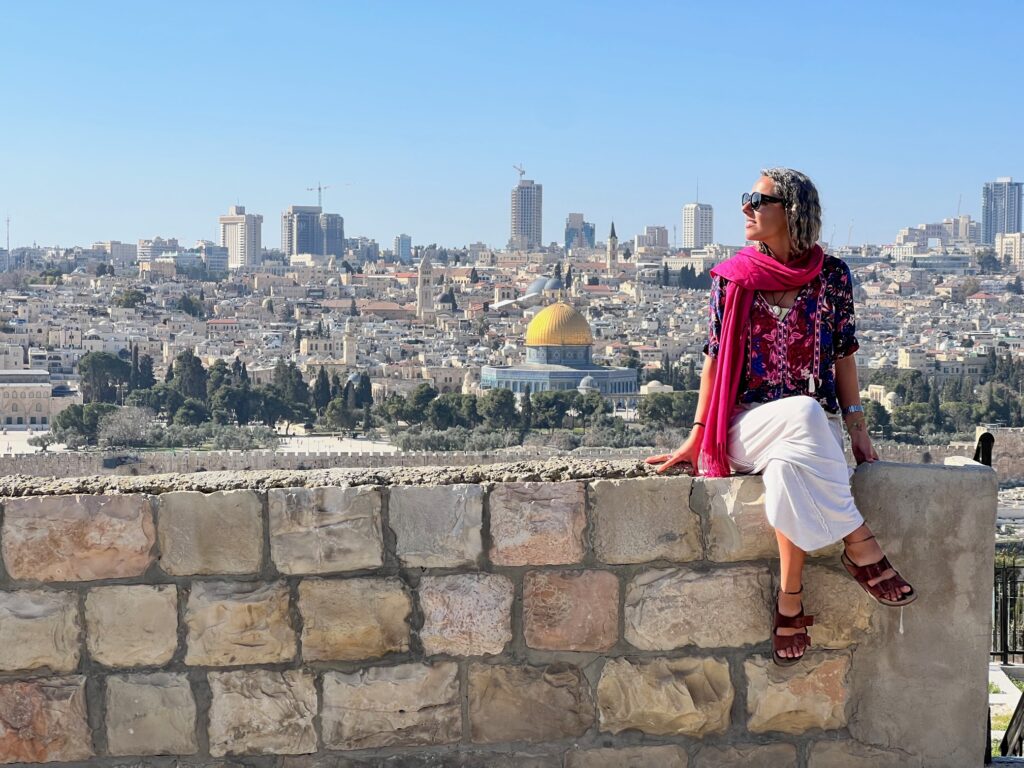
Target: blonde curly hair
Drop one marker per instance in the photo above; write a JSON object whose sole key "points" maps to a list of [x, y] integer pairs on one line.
{"points": [[803, 209]]}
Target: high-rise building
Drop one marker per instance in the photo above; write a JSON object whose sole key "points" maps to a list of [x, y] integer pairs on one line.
{"points": [[332, 234], [307, 229], [698, 225], [578, 233], [1000, 208], [527, 217], [242, 234], [403, 249]]}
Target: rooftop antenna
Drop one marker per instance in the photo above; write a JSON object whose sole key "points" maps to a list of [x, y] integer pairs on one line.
{"points": [[958, 201], [319, 189], [522, 171], [8, 257], [849, 234]]}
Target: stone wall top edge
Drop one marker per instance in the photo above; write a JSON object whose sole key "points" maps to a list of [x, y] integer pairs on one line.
{"points": [[548, 470]]}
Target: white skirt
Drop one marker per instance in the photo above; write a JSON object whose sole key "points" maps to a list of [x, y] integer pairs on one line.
{"points": [[798, 447]]}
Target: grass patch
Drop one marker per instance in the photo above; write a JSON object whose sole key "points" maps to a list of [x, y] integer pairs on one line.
{"points": [[1018, 683], [1001, 722], [993, 688]]}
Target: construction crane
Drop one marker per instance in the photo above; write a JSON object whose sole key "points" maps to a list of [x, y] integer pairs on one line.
{"points": [[522, 171], [319, 189]]}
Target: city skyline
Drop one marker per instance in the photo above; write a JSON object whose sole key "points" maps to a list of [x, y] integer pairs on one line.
{"points": [[127, 152]]}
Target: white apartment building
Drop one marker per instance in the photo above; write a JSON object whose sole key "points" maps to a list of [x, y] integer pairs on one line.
{"points": [[148, 250], [241, 234], [1010, 247], [652, 237], [698, 225], [121, 254]]}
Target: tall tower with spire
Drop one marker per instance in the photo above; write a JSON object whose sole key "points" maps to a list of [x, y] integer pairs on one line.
{"points": [[424, 290], [612, 255]]}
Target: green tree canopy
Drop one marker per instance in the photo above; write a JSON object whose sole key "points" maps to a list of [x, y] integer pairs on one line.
{"points": [[101, 373], [498, 408]]}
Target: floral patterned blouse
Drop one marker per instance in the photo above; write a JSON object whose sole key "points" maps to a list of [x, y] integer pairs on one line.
{"points": [[795, 354]]}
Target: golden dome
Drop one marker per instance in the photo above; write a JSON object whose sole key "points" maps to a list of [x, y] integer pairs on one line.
{"points": [[558, 325]]}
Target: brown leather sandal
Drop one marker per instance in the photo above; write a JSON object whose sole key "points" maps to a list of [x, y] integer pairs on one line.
{"points": [[799, 642], [864, 573]]}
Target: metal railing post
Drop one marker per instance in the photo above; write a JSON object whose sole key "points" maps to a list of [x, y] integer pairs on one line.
{"points": [[1004, 617]]}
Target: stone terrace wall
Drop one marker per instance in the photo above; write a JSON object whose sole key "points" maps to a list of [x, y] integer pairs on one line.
{"points": [[128, 463], [546, 615]]}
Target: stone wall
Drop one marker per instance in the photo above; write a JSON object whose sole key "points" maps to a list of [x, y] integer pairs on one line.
{"points": [[548, 614], [130, 463]]}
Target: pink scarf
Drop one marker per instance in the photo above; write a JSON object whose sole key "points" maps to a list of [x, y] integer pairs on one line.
{"points": [[746, 272]]}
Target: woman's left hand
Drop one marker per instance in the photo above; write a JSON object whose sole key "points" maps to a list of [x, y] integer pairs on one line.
{"points": [[863, 450]]}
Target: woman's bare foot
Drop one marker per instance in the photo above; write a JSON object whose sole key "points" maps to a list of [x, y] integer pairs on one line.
{"points": [[863, 549]]}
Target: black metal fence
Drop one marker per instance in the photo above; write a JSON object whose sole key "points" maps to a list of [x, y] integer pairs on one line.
{"points": [[1008, 612]]}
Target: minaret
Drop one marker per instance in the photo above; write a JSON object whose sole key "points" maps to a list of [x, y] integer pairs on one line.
{"points": [[424, 290], [612, 258]]}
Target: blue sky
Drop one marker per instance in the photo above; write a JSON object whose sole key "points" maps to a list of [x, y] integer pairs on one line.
{"points": [[129, 120]]}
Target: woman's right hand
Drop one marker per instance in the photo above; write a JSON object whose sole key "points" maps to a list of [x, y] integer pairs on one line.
{"points": [[687, 453]]}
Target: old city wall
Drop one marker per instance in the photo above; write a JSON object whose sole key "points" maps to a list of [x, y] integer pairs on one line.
{"points": [[81, 463], [569, 614]]}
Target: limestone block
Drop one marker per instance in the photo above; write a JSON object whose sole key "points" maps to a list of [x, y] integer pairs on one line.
{"points": [[537, 523], [236, 623], [811, 694], [773, 755], [642, 519], [322, 530], [665, 697], [437, 526], [351, 619], [150, 715], [737, 526], [210, 533], [44, 721], [853, 754], [528, 703], [38, 629], [630, 757], [527, 757], [842, 609], [467, 614], [571, 611], [77, 538], [261, 712], [672, 608], [132, 626], [406, 705]]}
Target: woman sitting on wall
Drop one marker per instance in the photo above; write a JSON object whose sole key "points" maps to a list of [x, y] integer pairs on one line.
{"points": [[779, 380]]}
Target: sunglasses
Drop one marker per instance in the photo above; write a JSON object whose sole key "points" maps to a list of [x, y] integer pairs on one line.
{"points": [[756, 199]]}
